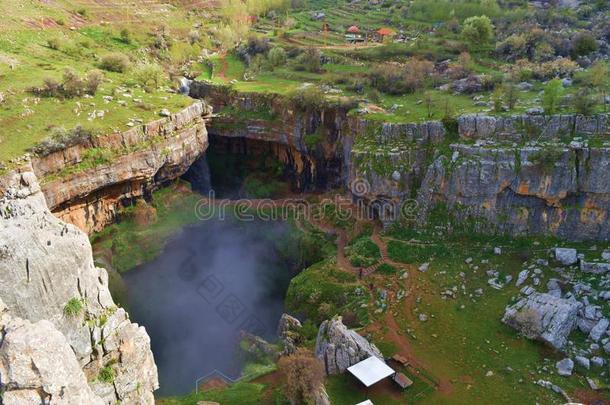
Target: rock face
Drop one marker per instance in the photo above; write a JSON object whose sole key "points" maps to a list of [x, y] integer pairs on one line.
{"points": [[47, 277], [339, 348], [543, 317], [29, 358], [515, 128], [288, 332], [143, 158], [517, 191]]}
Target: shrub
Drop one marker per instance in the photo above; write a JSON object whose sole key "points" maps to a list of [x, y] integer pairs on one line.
{"points": [[125, 36], [115, 62], [277, 57], [59, 139], [54, 43], [393, 79], [149, 75], [584, 103], [92, 81], [477, 30], [308, 98], [73, 307], [583, 44], [310, 61], [106, 375], [304, 375], [552, 96], [72, 85]]}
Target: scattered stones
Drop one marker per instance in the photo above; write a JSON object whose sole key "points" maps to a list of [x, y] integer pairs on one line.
{"points": [[497, 250], [593, 267], [565, 367], [597, 361], [165, 113], [422, 317]]}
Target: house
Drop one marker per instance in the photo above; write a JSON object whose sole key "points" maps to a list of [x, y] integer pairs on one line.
{"points": [[353, 34]]}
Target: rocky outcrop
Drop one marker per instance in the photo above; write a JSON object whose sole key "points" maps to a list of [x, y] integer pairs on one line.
{"points": [[288, 330], [544, 317], [560, 191], [38, 366], [47, 278], [339, 348], [89, 193], [524, 127]]}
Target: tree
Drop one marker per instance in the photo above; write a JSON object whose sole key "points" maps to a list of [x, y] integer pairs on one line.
{"points": [[477, 30], [598, 79], [583, 102], [277, 57], [511, 94], [497, 98], [303, 375], [429, 103], [552, 96]]}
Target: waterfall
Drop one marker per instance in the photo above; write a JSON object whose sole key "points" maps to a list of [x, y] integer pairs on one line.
{"points": [[199, 176]]}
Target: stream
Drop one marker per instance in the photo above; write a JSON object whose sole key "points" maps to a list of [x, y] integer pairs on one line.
{"points": [[211, 281]]}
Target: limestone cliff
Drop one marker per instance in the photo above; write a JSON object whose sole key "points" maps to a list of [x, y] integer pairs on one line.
{"points": [[519, 174], [89, 194], [48, 279]]}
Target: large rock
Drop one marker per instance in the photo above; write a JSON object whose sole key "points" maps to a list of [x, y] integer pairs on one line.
{"points": [[339, 347], [288, 332], [566, 256], [543, 317], [37, 365], [44, 264]]}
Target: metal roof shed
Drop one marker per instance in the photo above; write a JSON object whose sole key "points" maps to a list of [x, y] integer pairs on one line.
{"points": [[370, 371]]}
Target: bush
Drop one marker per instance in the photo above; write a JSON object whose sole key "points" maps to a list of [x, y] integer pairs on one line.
{"points": [[149, 75], [277, 57], [73, 307], [584, 103], [54, 43], [304, 376], [477, 30], [72, 85], [92, 81], [60, 139], [125, 36], [106, 375], [397, 80], [308, 98], [115, 62], [583, 44], [310, 61], [552, 96]]}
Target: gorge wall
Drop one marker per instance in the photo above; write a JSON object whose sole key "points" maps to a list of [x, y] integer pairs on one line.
{"points": [[59, 327], [519, 174], [87, 191]]}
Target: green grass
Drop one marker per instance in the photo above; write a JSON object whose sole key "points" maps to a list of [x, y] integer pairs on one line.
{"points": [[363, 252], [73, 307]]}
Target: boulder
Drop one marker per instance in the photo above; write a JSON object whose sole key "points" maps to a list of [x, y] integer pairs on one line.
{"points": [[339, 347], [566, 256], [543, 317], [565, 367], [583, 361], [593, 267], [599, 329]]}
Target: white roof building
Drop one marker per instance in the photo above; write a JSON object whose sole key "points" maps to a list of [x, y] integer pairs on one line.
{"points": [[370, 371]]}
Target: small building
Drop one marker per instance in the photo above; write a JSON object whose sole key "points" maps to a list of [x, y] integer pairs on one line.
{"points": [[353, 34], [402, 380], [371, 371], [385, 33]]}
